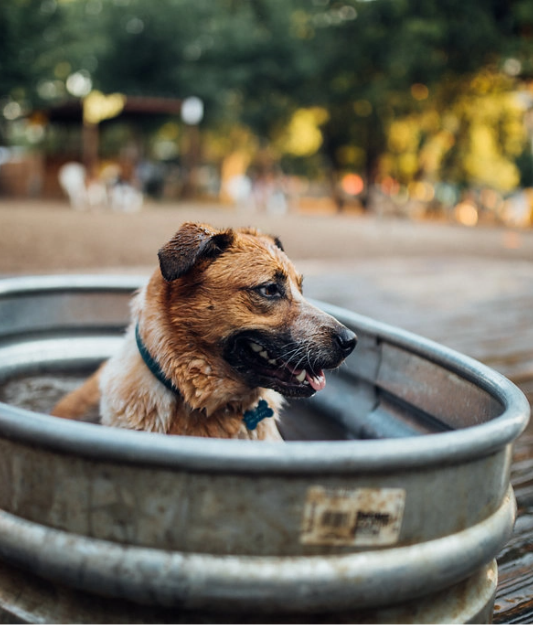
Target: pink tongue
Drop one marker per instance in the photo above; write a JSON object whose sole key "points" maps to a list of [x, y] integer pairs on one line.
{"points": [[318, 382]]}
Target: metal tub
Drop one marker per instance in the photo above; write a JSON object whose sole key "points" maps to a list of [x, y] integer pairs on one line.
{"points": [[392, 490]]}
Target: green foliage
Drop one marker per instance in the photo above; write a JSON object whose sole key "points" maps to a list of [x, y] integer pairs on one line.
{"points": [[31, 33], [256, 62]]}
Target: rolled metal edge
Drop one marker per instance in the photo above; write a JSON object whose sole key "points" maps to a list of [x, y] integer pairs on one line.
{"points": [[252, 456], [242, 456], [481, 375], [25, 285], [24, 600], [200, 454], [299, 584]]}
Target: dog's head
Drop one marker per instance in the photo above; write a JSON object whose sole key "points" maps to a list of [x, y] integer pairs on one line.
{"points": [[239, 299]]}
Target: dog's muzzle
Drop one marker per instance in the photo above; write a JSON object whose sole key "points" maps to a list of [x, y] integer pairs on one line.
{"points": [[290, 364]]}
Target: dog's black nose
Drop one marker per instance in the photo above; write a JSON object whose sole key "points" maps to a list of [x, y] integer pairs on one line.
{"points": [[347, 340]]}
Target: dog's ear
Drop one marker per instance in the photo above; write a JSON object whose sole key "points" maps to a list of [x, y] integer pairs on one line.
{"points": [[191, 244], [278, 243]]}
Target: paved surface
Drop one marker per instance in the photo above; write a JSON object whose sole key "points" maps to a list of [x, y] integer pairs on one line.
{"points": [[470, 289]]}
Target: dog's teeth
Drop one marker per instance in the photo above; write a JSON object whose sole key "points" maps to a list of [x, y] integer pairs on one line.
{"points": [[301, 376], [306, 382], [255, 347], [264, 354], [273, 361]]}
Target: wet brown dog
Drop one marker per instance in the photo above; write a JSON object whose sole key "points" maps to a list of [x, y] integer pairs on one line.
{"points": [[220, 332]]}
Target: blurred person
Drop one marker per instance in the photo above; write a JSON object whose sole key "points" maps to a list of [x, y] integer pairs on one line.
{"points": [[239, 188], [124, 197], [72, 179]]}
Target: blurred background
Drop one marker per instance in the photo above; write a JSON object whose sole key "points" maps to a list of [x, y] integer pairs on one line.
{"points": [[416, 108]]}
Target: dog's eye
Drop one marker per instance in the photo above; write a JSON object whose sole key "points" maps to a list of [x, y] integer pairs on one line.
{"points": [[270, 290]]}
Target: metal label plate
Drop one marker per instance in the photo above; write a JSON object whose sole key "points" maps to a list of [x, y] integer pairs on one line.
{"points": [[361, 517]]}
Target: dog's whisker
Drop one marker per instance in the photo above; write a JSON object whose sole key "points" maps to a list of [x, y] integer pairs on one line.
{"points": [[299, 357], [289, 353], [290, 356]]}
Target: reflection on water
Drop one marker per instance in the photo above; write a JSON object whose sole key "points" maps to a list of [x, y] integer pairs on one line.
{"points": [[41, 392]]}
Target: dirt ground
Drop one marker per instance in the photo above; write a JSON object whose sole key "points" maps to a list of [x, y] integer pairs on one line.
{"points": [[43, 237]]}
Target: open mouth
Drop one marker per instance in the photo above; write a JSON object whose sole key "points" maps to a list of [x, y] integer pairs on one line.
{"points": [[263, 366]]}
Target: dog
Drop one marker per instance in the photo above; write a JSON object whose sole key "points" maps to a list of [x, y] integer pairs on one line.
{"points": [[219, 335]]}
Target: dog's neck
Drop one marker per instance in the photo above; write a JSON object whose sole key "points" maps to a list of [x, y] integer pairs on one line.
{"points": [[251, 418], [153, 365]]}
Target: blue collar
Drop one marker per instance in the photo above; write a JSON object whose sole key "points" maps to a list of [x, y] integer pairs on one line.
{"points": [[152, 364], [251, 418]]}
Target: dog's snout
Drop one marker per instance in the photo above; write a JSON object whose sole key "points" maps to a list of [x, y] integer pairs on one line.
{"points": [[346, 340]]}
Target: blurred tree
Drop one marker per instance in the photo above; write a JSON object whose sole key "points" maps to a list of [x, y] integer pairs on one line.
{"points": [[239, 56], [30, 31], [387, 62], [473, 140], [268, 64]]}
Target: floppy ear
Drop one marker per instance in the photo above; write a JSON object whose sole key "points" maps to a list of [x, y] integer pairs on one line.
{"points": [[191, 243], [278, 243]]}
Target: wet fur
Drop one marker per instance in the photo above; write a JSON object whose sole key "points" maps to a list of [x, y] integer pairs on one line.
{"points": [[199, 296]]}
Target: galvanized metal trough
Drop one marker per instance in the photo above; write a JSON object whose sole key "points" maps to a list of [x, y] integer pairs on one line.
{"points": [[388, 502]]}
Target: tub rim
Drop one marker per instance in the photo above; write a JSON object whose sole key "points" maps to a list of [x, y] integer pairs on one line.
{"points": [[345, 456]]}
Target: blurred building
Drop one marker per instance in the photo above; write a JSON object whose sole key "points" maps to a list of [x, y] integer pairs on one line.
{"points": [[96, 132]]}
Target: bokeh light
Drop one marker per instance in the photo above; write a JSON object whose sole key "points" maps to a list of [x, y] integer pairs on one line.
{"points": [[352, 184]]}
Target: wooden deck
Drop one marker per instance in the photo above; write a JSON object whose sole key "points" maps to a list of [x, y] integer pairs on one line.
{"points": [[482, 308]]}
